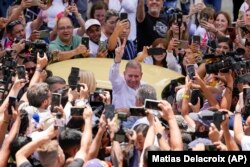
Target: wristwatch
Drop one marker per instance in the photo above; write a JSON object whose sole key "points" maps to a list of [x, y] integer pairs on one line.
{"points": [[159, 136]]}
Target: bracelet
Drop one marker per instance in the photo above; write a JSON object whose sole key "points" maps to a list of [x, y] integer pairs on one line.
{"points": [[39, 69], [237, 112], [185, 96]]}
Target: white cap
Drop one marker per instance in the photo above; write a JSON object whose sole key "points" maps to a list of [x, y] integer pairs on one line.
{"points": [[91, 22]]}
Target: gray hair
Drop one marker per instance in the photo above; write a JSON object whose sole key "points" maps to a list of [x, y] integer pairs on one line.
{"points": [[146, 92]]}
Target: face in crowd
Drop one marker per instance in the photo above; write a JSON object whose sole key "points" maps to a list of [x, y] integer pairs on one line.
{"points": [[154, 6], [221, 23], [65, 30], [94, 33], [132, 76]]}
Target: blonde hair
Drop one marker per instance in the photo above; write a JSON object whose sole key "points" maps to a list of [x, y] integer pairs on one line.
{"points": [[88, 78], [48, 153]]}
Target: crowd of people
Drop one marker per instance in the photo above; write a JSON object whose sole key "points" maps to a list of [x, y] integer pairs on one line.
{"points": [[47, 121]]}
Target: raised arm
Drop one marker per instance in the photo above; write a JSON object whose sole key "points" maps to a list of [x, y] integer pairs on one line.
{"points": [[175, 133], [5, 150], [95, 145], [28, 149], [86, 136], [140, 13]]}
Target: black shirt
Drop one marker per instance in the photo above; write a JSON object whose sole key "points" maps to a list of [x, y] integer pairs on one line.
{"points": [[150, 29]]}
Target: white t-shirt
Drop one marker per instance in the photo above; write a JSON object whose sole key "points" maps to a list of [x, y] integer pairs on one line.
{"points": [[56, 7], [245, 143]]}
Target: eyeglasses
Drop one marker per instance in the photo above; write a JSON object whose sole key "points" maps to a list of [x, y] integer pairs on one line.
{"points": [[65, 28]]}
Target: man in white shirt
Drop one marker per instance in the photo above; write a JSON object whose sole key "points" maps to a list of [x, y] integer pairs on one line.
{"points": [[93, 31], [124, 88]]}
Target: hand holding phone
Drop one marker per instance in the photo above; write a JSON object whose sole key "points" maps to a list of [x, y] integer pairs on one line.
{"points": [[218, 118], [182, 44], [55, 101]]}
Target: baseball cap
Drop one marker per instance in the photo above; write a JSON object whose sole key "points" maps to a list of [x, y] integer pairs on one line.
{"points": [[204, 116], [91, 22]]}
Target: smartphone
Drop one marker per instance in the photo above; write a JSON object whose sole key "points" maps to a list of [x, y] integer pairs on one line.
{"points": [[182, 44], [55, 101], [156, 51], [21, 72], [72, 2], [205, 17], [191, 71], [232, 33], [123, 16], [210, 148], [152, 104], [196, 39], [12, 103], [102, 46], [218, 117], [44, 34], [76, 111], [73, 81], [85, 41], [109, 111], [137, 111], [74, 71], [195, 94], [35, 3], [246, 96]]}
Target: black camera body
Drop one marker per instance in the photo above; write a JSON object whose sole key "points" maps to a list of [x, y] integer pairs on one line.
{"points": [[225, 62]]}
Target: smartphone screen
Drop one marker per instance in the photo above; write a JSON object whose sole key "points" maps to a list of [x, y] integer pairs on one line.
{"points": [[102, 46], [197, 39], [152, 104], [156, 51], [191, 71], [123, 16], [210, 148], [55, 101], [109, 111], [137, 111], [12, 103], [44, 34], [20, 72], [85, 41]]}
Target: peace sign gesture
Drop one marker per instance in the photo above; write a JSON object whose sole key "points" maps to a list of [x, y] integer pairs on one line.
{"points": [[119, 51]]}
